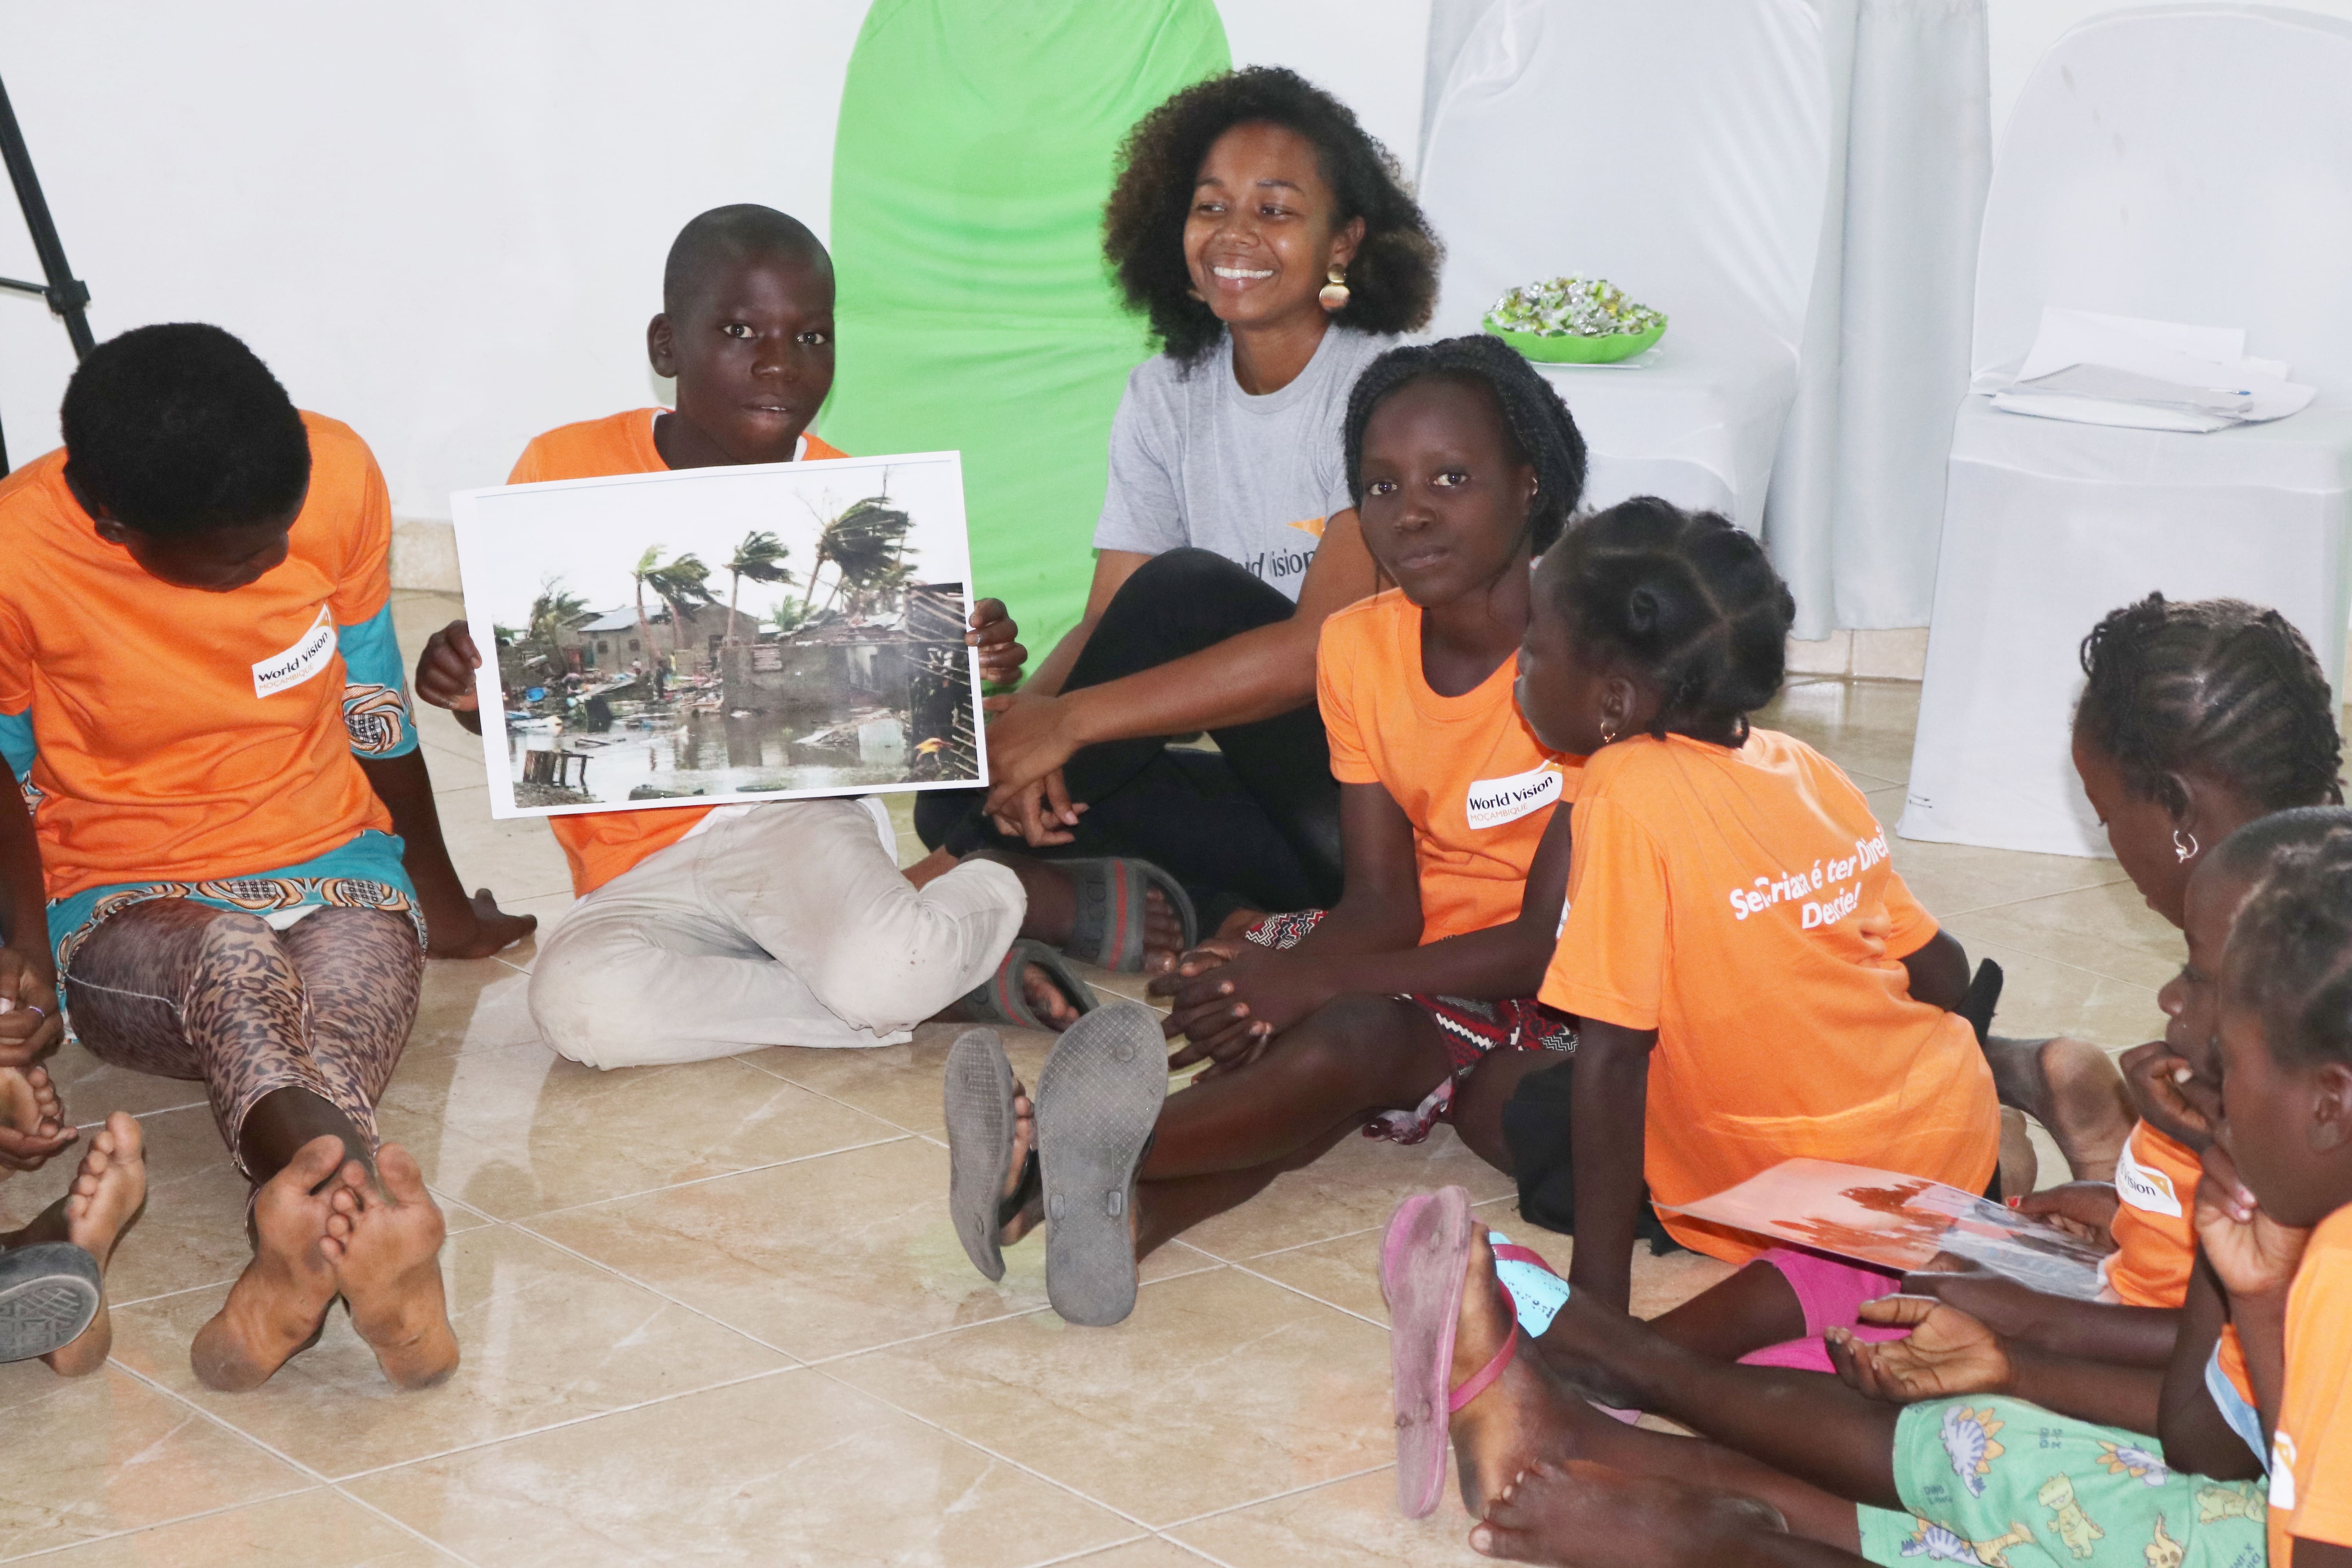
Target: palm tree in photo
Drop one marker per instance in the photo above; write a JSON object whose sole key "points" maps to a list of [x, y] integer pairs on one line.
{"points": [[760, 557], [642, 574], [682, 585], [787, 617], [552, 613], [864, 545]]}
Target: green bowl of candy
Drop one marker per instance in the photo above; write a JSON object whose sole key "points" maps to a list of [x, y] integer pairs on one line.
{"points": [[1574, 320]]}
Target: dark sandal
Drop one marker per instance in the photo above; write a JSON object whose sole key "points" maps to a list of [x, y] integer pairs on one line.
{"points": [[980, 1093], [1003, 999], [1097, 1108], [1109, 931]]}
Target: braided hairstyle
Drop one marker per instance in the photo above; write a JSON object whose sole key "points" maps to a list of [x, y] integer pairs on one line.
{"points": [[1536, 425], [2290, 954], [2215, 686], [1391, 282], [1683, 599]]}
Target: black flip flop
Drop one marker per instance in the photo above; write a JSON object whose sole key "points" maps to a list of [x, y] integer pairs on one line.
{"points": [[1108, 932], [49, 1295], [1097, 1105], [1002, 998], [980, 1092]]}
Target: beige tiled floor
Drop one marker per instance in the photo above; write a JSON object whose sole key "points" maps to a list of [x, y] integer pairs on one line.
{"points": [[715, 1313]]}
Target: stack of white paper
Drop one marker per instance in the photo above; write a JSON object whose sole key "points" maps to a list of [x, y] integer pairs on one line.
{"points": [[2154, 375]]}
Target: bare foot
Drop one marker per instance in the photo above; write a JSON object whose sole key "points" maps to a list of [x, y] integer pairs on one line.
{"points": [[2072, 1088], [278, 1303], [1043, 996], [107, 1195], [2020, 1167], [1025, 1138], [384, 1243], [1576, 1512], [1054, 910], [1523, 1415], [33, 1128]]}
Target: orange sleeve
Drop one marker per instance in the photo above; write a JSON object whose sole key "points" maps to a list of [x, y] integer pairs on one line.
{"points": [[16, 661], [366, 584], [1334, 694], [1910, 925], [529, 468], [2319, 1402], [1611, 962]]}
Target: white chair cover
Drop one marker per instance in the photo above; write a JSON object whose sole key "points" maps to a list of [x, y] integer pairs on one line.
{"points": [[1681, 150], [2190, 163]]}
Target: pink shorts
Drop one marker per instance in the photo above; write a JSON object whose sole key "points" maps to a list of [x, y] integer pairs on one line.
{"points": [[1832, 1294]]}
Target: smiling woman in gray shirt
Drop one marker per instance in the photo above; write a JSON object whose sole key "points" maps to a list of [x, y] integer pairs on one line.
{"points": [[1274, 248]]}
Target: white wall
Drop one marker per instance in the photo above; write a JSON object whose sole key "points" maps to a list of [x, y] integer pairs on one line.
{"points": [[444, 221], [2022, 29]]}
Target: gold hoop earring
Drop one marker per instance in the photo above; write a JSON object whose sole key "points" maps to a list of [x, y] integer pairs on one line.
{"points": [[1608, 731], [1334, 295], [2183, 853]]}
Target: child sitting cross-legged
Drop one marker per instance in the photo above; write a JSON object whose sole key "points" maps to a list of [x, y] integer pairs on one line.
{"points": [[1412, 998], [686, 941]]}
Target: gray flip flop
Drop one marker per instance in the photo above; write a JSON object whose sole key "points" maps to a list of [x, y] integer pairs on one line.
{"points": [[1098, 1103], [980, 1092], [49, 1295], [1109, 931], [1001, 999]]}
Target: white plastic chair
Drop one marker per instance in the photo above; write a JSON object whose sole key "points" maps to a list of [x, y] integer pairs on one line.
{"points": [[2189, 163], [1681, 150]]}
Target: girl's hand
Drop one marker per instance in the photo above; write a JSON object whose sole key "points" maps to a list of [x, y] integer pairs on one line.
{"points": [[1948, 1355], [30, 1024], [993, 632], [2083, 1209], [1027, 744], [445, 670], [2253, 1254], [1264, 992], [33, 1126], [1195, 962], [2168, 1095]]}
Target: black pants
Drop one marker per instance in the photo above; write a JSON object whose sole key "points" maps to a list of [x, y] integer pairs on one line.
{"points": [[1255, 824]]}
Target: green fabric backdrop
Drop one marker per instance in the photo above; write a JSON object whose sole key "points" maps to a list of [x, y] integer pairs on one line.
{"points": [[976, 313]]}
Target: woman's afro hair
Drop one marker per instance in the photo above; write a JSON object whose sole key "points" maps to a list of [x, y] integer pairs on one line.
{"points": [[1391, 283]]}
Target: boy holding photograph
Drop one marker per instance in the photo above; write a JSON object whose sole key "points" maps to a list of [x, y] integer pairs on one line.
{"points": [[686, 942]]}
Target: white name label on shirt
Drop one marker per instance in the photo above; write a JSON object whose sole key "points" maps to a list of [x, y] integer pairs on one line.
{"points": [[1493, 802], [309, 655], [2143, 1188]]}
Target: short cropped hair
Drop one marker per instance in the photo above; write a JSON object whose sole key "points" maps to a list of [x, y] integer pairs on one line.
{"points": [[2215, 686], [1685, 600], [180, 429], [730, 234], [1391, 283], [1536, 425]]}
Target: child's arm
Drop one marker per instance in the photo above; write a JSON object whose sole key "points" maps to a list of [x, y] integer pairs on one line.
{"points": [[2254, 1259], [445, 674], [2195, 1436], [1369, 941], [1609, 1094], [2141, 1337], [457, 927], [1938, 971], [29, 976]]}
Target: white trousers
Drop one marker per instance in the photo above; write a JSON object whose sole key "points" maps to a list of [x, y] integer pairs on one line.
{"points": [[787, 925]]}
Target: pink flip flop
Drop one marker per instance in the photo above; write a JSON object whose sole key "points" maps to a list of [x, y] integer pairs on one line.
{"points": [[1421, 1262]]}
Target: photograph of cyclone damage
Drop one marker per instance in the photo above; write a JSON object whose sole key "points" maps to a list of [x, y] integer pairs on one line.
{"points": [[713, 635]]}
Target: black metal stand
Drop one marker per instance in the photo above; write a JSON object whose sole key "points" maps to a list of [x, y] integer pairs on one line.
{"points": [[66, 293]]}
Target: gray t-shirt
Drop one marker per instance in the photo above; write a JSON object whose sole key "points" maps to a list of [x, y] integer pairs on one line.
{"points": [[1196, 461]]}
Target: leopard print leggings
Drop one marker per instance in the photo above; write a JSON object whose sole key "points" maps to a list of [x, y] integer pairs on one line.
{"points": [[186, 990]]}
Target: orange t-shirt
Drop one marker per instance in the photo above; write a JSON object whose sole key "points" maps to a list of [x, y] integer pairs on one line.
{"points": [[601, 845], [184, 735], [1741, 904], [1476, 784], [2311, 1452], [2155, 1232]]}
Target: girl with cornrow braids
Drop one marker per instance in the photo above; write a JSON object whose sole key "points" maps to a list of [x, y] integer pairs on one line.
{"points": [[1753, 980], [1408, 1000]]}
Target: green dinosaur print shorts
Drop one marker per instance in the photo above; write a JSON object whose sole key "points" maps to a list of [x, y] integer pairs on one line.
{"points": [[2006, 1484]]}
